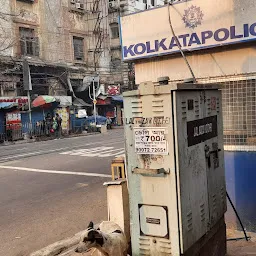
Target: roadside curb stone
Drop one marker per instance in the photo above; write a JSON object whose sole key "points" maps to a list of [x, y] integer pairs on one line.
{"points": [[63, 247], [59, 247], [40, 140]]}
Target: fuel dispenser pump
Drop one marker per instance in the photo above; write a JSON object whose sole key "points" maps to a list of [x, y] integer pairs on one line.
{"points": [[175, 169]]}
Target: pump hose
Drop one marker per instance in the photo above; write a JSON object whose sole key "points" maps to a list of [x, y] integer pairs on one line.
{"points": [[245, 235]]}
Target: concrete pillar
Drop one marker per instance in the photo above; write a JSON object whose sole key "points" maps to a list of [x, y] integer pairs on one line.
{"points": [[118, 205], [119, 115], [103, 129]]}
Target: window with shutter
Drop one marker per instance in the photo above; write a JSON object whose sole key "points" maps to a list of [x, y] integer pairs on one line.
{"points": [[29, 44], [114, 30], [78, 45]]}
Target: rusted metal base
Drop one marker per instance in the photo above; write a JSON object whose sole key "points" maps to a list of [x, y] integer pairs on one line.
{"points": [[212, 244]]}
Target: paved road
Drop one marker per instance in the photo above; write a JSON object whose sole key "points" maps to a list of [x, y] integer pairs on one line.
{"points": [[51, 190]]}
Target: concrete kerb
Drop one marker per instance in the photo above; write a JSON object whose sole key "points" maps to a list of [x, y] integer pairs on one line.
{"points": [[62, 247], [35, 140], [58, 247]]}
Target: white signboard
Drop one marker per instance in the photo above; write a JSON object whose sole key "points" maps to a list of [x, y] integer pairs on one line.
{"points": [[197, 24], [150, 140], [82, 113]]}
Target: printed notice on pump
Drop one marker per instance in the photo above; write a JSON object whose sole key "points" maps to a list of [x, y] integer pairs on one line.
{"points": [[150, 140]]}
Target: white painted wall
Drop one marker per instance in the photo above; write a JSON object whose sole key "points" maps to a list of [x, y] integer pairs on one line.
{"points": [[222, 63]]}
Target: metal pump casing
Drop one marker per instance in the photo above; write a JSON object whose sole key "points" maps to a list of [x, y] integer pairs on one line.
{"points": [[175, 165]]}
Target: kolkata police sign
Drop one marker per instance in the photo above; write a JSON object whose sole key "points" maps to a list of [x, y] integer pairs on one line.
{"points": [[197, 24]]}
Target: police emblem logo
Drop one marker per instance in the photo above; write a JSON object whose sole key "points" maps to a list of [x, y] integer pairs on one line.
{"points": [[193, 17]]}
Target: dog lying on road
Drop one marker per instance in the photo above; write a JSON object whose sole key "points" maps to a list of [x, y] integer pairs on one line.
{"points": [[109, 239]]}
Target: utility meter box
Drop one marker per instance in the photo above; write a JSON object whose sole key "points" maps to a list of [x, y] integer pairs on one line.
{"points": [[175, 167]]}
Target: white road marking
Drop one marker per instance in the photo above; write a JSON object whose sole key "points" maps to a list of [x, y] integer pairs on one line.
{"points": [[84, 151], [35, 153], [95, 152], [82, 185], [119, 151], [30, 154], [14, 168]]}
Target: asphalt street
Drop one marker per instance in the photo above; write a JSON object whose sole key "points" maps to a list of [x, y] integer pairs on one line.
{"points": [[51, 190]]}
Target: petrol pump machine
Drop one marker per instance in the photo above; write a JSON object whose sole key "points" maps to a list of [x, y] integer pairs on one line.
{"points": [[175, 169]]}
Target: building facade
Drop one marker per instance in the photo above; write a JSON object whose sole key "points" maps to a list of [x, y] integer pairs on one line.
{"points": [[63, 41], [123, 73]]}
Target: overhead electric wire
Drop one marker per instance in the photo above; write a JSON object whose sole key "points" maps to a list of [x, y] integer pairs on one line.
{"points": [[178, 43]]}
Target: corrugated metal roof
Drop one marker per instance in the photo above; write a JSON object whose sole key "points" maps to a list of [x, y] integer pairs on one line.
{"points": [[80, 103]]}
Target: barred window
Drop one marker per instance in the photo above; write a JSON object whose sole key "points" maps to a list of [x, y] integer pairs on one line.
{"points": [[239, 112]]}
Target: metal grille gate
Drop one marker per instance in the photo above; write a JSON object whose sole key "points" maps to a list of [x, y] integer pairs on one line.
{"points": [[239, 111]]}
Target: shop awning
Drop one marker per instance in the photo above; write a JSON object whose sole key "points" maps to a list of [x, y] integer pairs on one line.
{"points": [[64, 101], [118, 98], [80, 103], [6, 105]]}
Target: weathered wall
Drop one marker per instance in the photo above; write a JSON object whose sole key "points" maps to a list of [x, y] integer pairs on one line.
{"points": [[53, 33], [26, 15], [8, 86], [6, 35], [55, 23], [55, 87]]}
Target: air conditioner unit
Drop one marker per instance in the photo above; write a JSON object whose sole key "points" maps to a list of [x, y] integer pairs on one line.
{"points": [[78, 6], [72, 1]]}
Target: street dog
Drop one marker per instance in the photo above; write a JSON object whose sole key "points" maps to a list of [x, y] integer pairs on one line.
{"points": [[109, 239]]}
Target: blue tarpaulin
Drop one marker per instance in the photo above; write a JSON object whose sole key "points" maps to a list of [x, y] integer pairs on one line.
{"points": [[99, 119], [5, 105], [117, 98]]}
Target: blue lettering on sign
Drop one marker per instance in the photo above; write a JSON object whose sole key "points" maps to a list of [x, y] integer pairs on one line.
{"points": [[140, 48], [148, 48], [246, 30], [233, 33], [221, 35], [194, 39], [128, 50], [160, 44], [253, 29], [184, 38], [173, 43], [187, 40], [206, 35]]}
